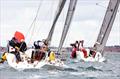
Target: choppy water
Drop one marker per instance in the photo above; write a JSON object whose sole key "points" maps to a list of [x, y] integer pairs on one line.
{"points": [[81, 70]]}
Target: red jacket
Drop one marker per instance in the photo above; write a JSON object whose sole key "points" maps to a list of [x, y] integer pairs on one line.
{"points": [[73, 54]]}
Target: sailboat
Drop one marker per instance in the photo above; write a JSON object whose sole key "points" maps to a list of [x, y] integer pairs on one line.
{"points": [[68, 20], [102, 37], [103, 34], [25, 64], [37, 64]]}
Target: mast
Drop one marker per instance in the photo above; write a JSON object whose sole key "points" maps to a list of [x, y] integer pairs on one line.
{"points": [[60, 7], [106, 25], [69, 17]]}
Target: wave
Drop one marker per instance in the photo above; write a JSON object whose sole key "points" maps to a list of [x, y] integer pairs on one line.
{"points": [[6, 68], [31, 70], [71, 70], [4, 65], [90, 68], [1, 67], [91, 78]]}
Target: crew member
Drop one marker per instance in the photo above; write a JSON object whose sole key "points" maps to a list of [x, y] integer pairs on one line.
{"points": [[17, 45], [74, 49], [3, 57]]}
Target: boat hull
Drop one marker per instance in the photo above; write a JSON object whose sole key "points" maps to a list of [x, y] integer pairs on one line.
{"points": [[24, 64], [98, 57]]}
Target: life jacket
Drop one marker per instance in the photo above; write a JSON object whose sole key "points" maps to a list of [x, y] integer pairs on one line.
{"points": [[52, 56], [73, 54], [23, 46], [14, 43], [3, 57]]}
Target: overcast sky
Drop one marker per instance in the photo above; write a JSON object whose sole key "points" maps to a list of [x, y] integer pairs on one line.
{"points": [[17, 15]]}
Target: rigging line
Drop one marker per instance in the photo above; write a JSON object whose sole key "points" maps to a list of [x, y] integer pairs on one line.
{"points": [[119, 27], [46, 15], [32, 33], [100, 5], [34, 20]]}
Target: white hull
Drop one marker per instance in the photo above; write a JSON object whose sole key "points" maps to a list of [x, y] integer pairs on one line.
{"points": [[98, 57], [11, 59]]}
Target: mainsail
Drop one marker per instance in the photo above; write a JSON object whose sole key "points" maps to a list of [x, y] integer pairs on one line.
{"points": [[60, 7], [106, 25], [70, 13]]}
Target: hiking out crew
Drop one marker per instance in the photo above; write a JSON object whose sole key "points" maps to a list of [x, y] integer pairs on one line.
{"points": [[17, 45]]}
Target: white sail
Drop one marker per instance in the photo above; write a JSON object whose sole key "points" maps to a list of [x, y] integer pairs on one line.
{"points": [[70, 13], [106, 25], [58, 12]]}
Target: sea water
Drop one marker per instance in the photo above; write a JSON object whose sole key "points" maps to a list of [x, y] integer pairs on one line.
{"points": [[81, 70]]}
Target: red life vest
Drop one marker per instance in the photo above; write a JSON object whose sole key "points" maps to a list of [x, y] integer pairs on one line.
{"points": [[84, 52], [73, 54]]}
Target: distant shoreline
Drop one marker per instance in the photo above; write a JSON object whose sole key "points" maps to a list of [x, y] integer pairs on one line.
{"points": [[112, 48], [115, 48]]}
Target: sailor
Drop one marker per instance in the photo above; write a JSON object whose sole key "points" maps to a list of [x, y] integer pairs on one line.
{"points": [[40, 51], [81, 48], [74, 49], [38, 44], [17, 45], [77, 45], [92, 53], [46, 42], [51, 56], [3, 58]]}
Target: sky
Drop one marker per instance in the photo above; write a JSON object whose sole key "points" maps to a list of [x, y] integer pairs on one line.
{"points": [[18, 15]]}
